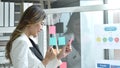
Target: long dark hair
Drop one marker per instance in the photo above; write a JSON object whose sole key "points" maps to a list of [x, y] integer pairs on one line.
{"points": [[32, 15]]}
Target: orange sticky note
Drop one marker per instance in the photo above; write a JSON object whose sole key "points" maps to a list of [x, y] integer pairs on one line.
{"points": [[63, 65], [52, 29]]}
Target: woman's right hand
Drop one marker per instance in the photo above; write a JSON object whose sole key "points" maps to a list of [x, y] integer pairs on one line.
{"points": [[50, 54]]}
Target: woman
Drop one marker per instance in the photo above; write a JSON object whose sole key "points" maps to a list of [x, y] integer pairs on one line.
{"points": [[21, 50]]}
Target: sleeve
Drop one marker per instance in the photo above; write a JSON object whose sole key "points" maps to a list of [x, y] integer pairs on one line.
{"points": [[54, 63], [36, 64], [19, 54]]}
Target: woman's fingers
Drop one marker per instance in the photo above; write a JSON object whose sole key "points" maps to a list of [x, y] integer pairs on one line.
{"points": [[49, 49], [51, 53], [68, 48]]}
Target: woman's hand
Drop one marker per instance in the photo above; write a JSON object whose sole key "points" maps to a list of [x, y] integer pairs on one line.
{"points": [[65, 51], [50, 54]]}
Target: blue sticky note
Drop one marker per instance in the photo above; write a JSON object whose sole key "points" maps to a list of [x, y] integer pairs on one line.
{"points": [[61, 40], [52, 41], [101, 65]]}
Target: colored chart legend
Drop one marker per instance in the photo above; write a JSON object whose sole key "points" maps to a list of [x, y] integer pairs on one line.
{"points": [[107, 36]]}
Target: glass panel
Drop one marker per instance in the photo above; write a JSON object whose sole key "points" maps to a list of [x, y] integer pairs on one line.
{"points": [[80, 26], [113, 18], [71, 29], [89, 53]]}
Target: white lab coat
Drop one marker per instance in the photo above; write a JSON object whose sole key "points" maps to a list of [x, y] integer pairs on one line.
{"points": [[23, 57]]}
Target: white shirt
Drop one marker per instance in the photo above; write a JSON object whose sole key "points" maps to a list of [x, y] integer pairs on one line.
{"points": [[22, 56]]}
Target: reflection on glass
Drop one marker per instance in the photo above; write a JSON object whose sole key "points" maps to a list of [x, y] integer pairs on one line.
{"points": [[73, 30], [71, 25]]}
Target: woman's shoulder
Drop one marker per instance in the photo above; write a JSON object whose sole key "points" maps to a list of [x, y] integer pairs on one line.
{"points": [[20, 39]]}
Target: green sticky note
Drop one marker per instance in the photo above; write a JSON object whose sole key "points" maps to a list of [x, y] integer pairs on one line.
{"points": [[52, 41], [61, 40]]}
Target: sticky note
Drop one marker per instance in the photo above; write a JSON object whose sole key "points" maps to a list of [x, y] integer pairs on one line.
{"points": [[52, 41], [59, 27], [52, 29], [63, 65], [61, 40]]}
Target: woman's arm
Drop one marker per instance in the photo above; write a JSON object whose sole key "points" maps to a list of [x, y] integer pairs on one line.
{"points": [[19, 54]]}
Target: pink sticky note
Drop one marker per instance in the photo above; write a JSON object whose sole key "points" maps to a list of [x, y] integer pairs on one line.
{"points": [[52, 30], [63, 65]]}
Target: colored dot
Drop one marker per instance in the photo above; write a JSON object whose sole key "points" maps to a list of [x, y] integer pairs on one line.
{"points": [[104, 39], [116, 39], [98, 39], [110, 39]]}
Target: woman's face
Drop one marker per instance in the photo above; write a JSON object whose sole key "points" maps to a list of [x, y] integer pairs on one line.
{"points": [[35, 28]]}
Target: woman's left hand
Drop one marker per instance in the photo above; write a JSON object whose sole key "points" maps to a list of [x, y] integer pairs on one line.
{"points": [[65, 51]]}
